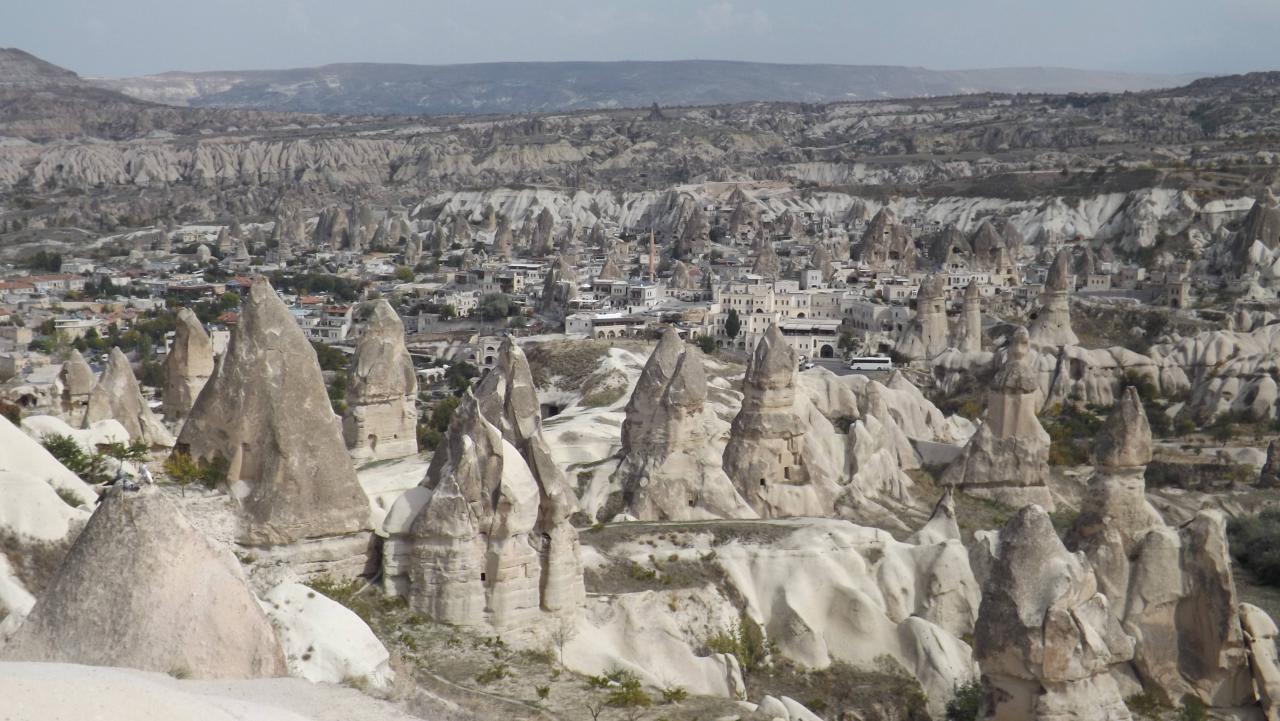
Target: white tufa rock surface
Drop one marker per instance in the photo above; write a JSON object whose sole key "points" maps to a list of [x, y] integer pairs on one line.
{"points": [[324, 641], [491, 541]]}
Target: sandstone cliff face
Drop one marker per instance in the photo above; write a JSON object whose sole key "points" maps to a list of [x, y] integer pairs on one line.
{"points": [[382, 416], [669, 469], [187, 367], [142, 588], [1007, 459], [1045, 638], [267, 414], [117, 396]]}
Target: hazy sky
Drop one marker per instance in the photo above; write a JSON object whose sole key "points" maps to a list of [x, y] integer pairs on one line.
{"points": [[130, 37]]}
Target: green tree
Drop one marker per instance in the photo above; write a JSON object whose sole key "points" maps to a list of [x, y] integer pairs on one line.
{"points": [[229, 301], [494, 306], [404, 274], [732, 324]]}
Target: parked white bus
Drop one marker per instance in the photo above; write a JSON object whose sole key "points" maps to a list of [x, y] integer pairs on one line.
{"points": [[870, 363]]}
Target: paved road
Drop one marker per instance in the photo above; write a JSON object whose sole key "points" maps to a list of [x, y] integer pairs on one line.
{"points": [[841, 368]]}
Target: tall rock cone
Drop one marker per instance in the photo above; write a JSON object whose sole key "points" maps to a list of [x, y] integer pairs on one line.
{"points": [[266, 413], [187, 367], [381, 420], [117, 395], [774, 455], [77, 383], [1007, 459], [474, 559], [1045, 638], [508, 399], [669, 469], [647, 394], [926, 337], [1115, 514], [1052, 324], [142, 588]]}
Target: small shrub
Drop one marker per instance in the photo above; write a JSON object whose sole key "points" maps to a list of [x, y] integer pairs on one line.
{"points": [[180, 672], [543, 692], [1193, 709], [967, 701], [674, 694], [67, 497], [496, 672], [627, 692], [359, 683], [1147, 706], [746, 643]]}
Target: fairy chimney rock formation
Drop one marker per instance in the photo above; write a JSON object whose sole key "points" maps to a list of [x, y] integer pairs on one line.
{"points": [[266, 414], [77, 383], [926, 337], [117, 395], [509, 400], [971, 331], [142, 588], [187, 367], [381, 419], [1052, 324], [775, 457], [492, 545], [669, 469], [1007, 459], [1045, 638]]}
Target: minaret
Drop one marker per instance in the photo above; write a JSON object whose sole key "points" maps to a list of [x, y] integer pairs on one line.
{"points": [[653, 276]]}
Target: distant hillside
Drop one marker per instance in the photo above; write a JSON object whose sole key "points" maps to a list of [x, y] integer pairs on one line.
{"points": [[537, 87]]}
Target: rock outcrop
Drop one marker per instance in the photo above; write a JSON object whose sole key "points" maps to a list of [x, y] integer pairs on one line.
{"points": [[786, 458], [927, 335], [117, 395], [1171, 589], [1007, 459], [266, 414], [491, 544], [187, 367], [971, 331], [1045, 637], [142, 588], [559, 287], [669, 468], [381, 420], [1269, 477], [509, 400], [1052, 324], [77, 383]]}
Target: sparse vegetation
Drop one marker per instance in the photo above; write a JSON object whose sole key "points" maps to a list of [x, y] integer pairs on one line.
{"points": [[745, 642], [966, 702], [1255, 543], [183, 470]]}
